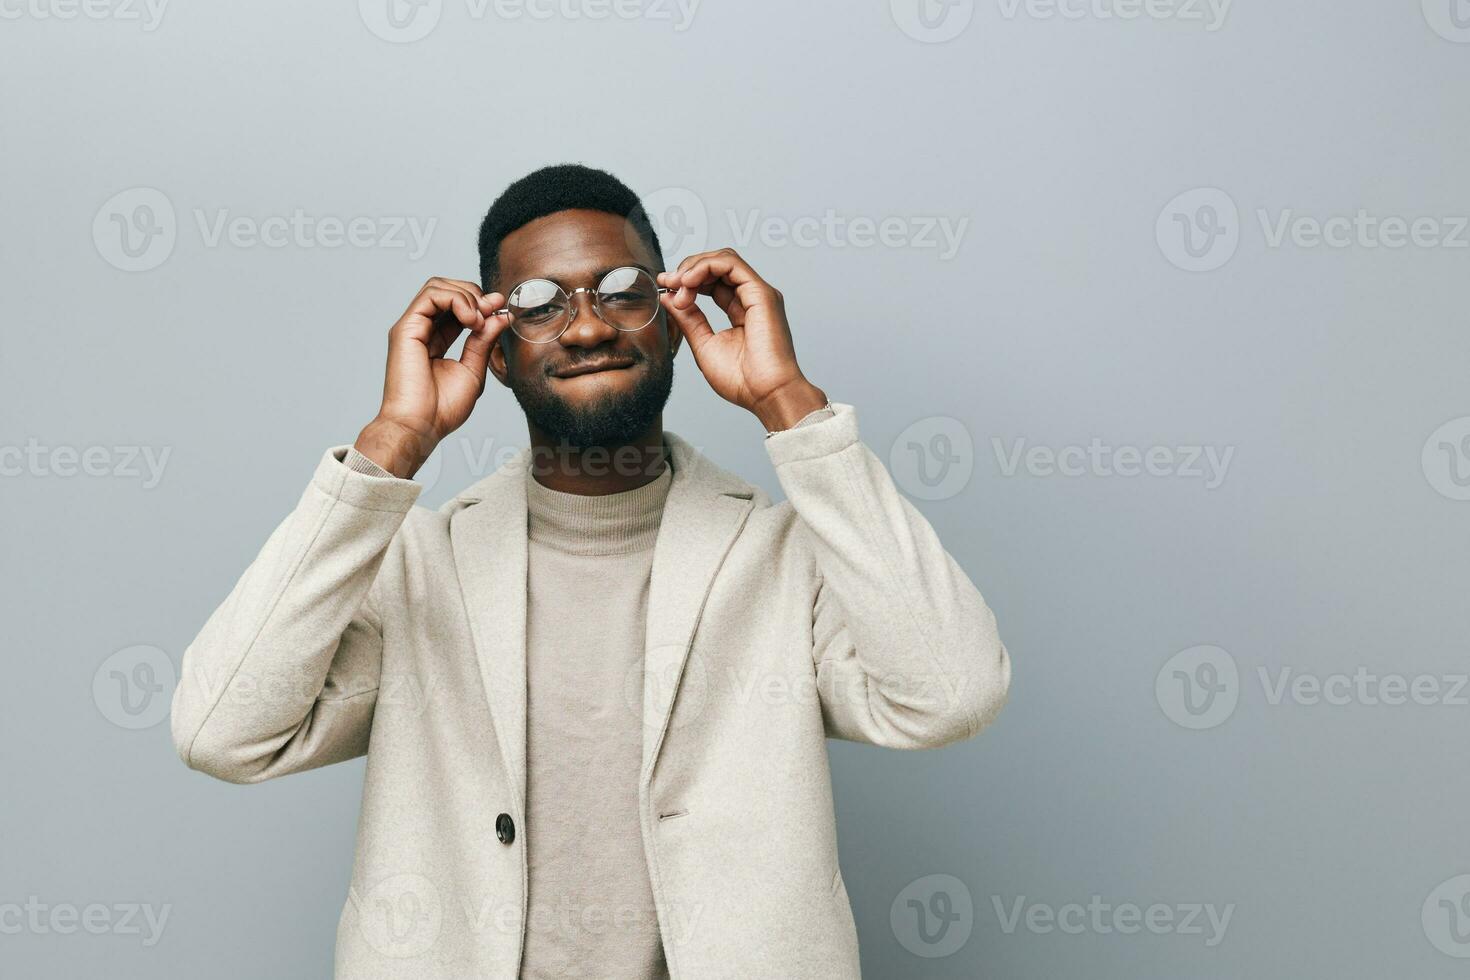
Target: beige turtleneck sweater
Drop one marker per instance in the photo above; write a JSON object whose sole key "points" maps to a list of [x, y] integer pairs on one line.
{"points": [[591, 911]]}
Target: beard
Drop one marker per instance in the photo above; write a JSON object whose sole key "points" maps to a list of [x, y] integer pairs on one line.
{"points": [[607, 421]]}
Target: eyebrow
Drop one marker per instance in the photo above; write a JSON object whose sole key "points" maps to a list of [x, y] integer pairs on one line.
{"points": [[600, 274]]}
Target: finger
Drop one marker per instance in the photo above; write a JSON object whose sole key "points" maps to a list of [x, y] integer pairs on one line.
{"points": [[715, 253], [446, 331], [463, 314], [492, 302], [438, 287], [725, 264], [684, 298], [723, 295], [456, 312], [736, 302], [473, 288], [672, 278], [691, 322], [431, 307], [726, 299], [476, 353], [673, 274], [722, 292], [471, 291], [705, 275]]}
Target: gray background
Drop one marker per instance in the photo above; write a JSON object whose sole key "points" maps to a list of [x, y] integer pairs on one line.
{"points": [[1331, 545]]}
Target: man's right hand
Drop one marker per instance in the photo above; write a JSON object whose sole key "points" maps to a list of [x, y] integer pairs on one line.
{"points": [[426, 397]]}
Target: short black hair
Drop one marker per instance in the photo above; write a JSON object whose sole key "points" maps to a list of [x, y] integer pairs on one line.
{"points": [[562, 187]]}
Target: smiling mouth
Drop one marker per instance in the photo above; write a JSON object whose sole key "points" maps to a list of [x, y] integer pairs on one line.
{"points": [[593, 368]]}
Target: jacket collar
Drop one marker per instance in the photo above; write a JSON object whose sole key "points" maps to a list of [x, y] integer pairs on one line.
{"points": [[704, 512], [689, 464]]}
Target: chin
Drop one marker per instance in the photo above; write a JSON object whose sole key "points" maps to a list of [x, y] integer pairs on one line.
{"points": [[597, 410]]}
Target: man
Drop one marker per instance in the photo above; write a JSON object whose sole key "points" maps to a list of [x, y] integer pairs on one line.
{"points": [[593, 689]]}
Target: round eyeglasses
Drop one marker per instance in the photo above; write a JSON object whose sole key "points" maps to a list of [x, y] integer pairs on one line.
{"points": [[626, 299]]}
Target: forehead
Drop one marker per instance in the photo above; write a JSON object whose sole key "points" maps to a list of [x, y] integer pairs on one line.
{"points": [[571, 248]]}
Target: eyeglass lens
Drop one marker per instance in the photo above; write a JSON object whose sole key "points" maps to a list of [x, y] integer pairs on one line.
{"points": [[626, 299]]}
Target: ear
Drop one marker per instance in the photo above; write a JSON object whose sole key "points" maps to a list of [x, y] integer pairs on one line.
{"points": [[498, 363], [675, 335]]}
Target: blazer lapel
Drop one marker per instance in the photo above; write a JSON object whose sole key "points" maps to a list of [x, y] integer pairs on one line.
{"points": [[705, 509], [489, 541]]}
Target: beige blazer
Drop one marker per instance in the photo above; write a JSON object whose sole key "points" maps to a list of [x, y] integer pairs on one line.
{"points": [[369, 625]]}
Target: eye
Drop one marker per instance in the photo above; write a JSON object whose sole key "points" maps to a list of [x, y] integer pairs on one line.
{"points": [[624, 298], [543, 313]]}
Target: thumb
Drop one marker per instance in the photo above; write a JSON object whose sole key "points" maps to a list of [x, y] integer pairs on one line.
{"points": [[476, 353], [692, 322]]}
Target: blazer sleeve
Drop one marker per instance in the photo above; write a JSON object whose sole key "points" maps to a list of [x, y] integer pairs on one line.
{"points": [[905, 648], [283, 676]]}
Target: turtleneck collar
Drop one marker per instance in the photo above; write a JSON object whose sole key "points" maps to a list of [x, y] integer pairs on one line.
{"points": [[597, 524]]}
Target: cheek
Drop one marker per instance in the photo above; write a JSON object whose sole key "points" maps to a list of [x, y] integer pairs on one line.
{"points": [[655, 347], [665, 334], [520, 362]]}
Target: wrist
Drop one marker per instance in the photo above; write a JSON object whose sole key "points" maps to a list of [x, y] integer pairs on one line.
{"points": [[394, 446], [789, 404]]}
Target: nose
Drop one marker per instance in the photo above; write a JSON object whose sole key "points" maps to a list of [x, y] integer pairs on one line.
{"points": [[587, 329]]}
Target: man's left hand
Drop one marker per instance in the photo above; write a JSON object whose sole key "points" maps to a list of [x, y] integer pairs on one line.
{"points": [[753, 363]]}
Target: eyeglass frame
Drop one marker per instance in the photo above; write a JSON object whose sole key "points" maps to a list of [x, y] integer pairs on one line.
{"points": [[570, 294]]}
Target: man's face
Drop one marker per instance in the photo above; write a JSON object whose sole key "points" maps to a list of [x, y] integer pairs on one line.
{"points": [[602, 408]]}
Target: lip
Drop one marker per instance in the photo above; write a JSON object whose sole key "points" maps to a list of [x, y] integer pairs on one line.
{"points": [[594, 367]]}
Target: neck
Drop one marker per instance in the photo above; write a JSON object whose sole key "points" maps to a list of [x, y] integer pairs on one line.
{"points": [[597, 470]]}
